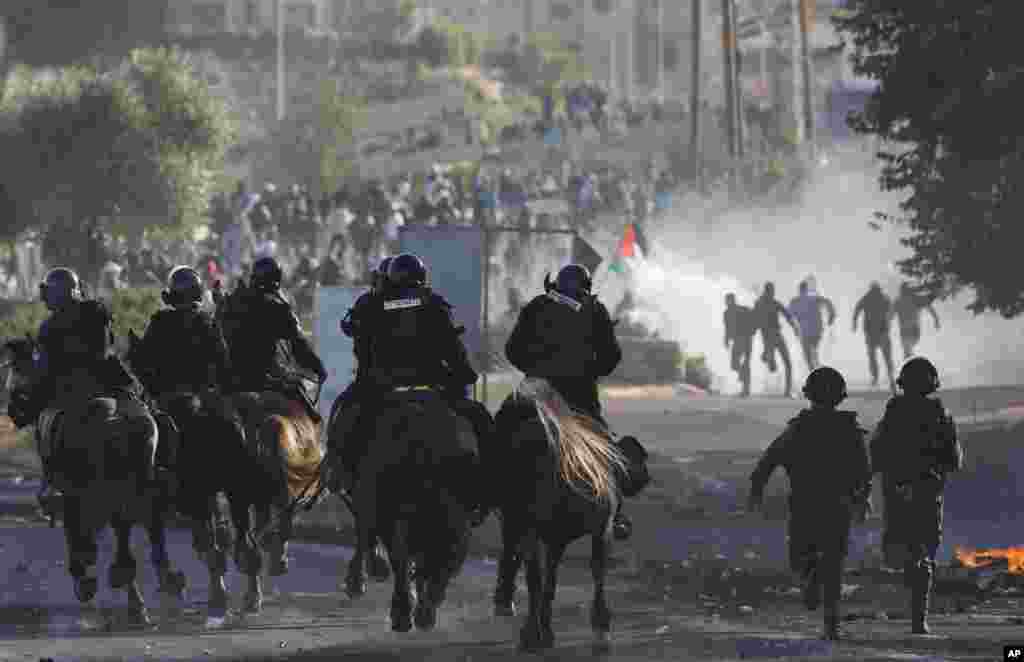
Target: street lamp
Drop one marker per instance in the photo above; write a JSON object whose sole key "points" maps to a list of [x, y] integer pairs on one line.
{"points": [[280, 61]]}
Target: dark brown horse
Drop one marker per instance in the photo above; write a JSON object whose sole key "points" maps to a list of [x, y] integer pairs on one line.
{"points": [[209, 441], [414, 493], [104, 457], [556, 476]]}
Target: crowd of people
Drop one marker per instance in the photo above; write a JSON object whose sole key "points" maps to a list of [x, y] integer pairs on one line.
{"points": [[804, 314]]}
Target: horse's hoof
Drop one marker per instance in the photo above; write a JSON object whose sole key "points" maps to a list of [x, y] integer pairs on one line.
{"points": [[217, 604], [401, 620], [355, 586], [174, 584], [85, 588], [121, 576], [602, 642], [278, 566], [140, 617], [505, 609], [253, 604], [425, 616]]}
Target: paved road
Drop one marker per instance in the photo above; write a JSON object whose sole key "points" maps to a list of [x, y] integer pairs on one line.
{"points": [[40, 618]]}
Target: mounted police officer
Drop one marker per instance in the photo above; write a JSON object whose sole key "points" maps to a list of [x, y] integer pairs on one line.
{"points": [[826, 461], [75, 363], [567, 337], [182, 354], [346, 411], [914, 447], [264, 356], [412, 342]]}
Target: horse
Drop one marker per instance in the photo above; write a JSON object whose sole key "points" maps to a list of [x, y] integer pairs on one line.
{"points": [[105, 456], [413, 494], [377, 564], [556, 476], [211, 439], [283, 438]]}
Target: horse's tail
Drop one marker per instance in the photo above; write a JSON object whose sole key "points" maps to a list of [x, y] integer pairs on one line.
{"points": [[297, 438], [584, 450]]}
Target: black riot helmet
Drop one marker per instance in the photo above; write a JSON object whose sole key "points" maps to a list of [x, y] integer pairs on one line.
{"points": [[406, 271], [380, 275], [825, 386], [918, 376], [184, 287], [573, 281], [266, 274], [60, 287]]}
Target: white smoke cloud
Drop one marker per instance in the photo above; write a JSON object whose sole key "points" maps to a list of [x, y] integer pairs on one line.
{"points": [[699, 254]]}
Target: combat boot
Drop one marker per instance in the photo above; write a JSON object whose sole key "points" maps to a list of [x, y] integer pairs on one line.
{"points": [[49, 496], [622, 526], [832, 631], [919, 598]]}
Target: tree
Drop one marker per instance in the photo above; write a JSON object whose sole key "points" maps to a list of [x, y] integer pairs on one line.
{"points": [[315, 146], [143, 140], [948, 111]]}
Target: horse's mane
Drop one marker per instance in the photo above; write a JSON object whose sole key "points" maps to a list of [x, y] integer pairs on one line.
{"points": [[582, 447]]}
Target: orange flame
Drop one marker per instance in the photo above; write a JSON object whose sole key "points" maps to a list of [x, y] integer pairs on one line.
{"points": [[977, 558]]}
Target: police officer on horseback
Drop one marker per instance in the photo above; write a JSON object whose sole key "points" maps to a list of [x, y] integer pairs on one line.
{"points": [[346, 410], [411, 342], [567, 337], [256, 356], [182, 355], [75, 361]]}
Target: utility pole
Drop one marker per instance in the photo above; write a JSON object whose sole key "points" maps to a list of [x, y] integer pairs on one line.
{"points": [[808, 75], [695, 89], [795, 56], [728, 75], [737, 90], [660, 56], [280, 62]]}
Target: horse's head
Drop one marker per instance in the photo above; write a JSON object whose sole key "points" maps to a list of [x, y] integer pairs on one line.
{"points": [[19, 358]]}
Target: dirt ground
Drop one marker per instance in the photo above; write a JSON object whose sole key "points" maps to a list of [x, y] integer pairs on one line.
{"points": [[699, 580]]}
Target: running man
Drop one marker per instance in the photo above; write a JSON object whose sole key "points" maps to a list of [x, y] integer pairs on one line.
{"points": [[767, 310], [806, 308], [907, 308], [877, 309], [739, 334]]}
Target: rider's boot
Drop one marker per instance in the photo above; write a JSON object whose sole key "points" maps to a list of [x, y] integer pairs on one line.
{"points": [[622, 526]]}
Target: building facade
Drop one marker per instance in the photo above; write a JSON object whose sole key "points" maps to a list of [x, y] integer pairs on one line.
{"points": [[199, 17]]}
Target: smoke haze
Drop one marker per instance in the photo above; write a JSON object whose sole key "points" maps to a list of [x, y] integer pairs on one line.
{"points": [[699, 255]]}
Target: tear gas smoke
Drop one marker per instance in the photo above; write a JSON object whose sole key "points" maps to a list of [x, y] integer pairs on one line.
{"points": [[699, 254]]}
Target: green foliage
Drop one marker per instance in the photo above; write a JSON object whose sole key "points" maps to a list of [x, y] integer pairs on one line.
{"points": [[144, 140], [316, 145], [406, 8], [948, 109], [131, 309], [463, 46]]}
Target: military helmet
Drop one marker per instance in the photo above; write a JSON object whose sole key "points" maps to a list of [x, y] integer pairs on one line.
{"points": [[573, 280], [407, 270], [266, 274], [825, 386], [184, 287], [60, 287], [918, 375]]}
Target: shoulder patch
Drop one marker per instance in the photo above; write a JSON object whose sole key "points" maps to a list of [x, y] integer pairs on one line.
{"points": [[565, 301], [400, 304]]}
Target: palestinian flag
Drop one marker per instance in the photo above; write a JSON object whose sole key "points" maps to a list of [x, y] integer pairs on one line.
{"points": [[633, 244]]}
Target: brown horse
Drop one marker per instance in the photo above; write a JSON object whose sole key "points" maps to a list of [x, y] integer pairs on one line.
{"points": [[555, 476], [104, 457]]}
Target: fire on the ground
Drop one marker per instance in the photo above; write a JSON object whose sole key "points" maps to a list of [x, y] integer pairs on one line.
{"points": [[977, 558]]}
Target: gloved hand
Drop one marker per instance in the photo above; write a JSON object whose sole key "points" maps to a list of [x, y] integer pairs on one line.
{"points": [[19, 409]]}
